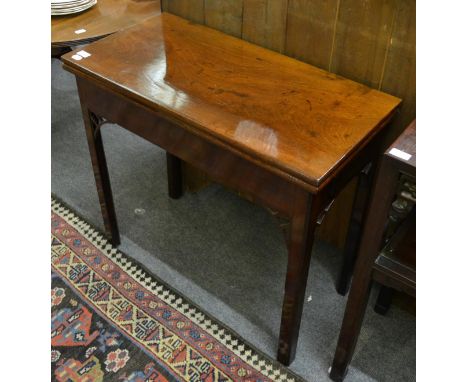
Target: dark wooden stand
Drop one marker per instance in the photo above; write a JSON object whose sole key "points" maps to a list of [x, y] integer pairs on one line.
{"points": [[395, 265]]}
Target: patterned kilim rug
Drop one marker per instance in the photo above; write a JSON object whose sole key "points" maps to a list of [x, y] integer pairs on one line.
{"points": [[113, 321]]}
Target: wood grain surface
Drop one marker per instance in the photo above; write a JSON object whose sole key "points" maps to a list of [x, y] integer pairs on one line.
{"points": [[225, 16], [106, 17], [296, 118], [264, 23], [193, 10], [361, 39], [399, 74], [311, 30]]}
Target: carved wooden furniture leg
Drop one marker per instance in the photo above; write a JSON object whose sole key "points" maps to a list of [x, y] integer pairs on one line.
{"points": [[101, 175], [301, 238], [353, 237], [376, 217], [174, 176]]}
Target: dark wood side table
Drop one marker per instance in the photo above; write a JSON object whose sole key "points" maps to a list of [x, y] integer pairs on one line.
{"points": [[103, 19], [285, 133], [393, 266]]}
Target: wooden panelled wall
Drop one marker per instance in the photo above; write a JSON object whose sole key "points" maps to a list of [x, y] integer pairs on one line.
{"points": [[369, 41]]}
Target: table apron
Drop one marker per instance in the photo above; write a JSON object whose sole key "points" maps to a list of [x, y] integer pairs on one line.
{"points": [[222, 165]]}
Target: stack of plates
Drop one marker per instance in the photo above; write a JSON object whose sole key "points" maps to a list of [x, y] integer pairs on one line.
{"points": [[66, 7]]}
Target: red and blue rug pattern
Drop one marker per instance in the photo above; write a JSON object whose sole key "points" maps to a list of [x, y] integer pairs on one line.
{"points": [[113, 321]]}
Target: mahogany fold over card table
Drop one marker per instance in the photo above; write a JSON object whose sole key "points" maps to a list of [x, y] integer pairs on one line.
{"points": [[287, 134]]}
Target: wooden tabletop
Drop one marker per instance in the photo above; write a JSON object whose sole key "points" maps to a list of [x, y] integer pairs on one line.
{"points": [[270, 108], [104, 18]]}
